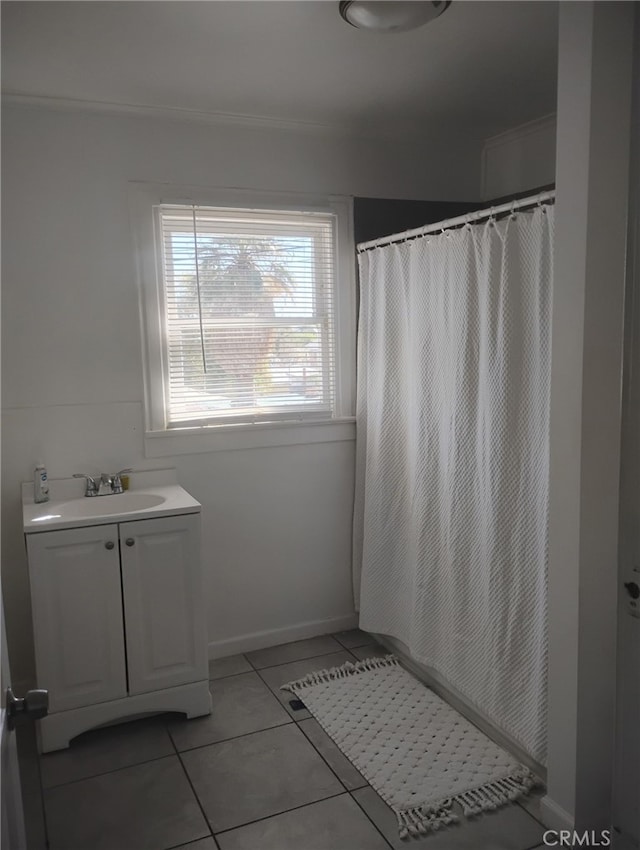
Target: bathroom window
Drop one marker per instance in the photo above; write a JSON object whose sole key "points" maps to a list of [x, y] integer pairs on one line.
{"points": [[245, 324]]}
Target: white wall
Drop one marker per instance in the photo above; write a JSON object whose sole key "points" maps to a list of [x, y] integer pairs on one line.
{"points": [[627, 785], [594, 107], [626, 798], [277, 521], [519, 159]]}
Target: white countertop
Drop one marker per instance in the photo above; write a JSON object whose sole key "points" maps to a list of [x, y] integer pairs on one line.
{"points": [[150, 494]]}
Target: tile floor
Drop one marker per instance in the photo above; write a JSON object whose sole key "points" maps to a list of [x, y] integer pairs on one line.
{"points": [[254, 775]]}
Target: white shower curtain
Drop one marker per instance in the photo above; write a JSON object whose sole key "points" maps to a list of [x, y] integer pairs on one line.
{"points": [[450, 531]]}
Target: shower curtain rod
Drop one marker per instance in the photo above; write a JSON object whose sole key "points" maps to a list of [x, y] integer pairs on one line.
{"points": [[490, 212]]}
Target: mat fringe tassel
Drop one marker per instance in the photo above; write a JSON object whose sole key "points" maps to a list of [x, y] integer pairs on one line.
{"points": [[347, 669], [421, 820], [413, 823]]}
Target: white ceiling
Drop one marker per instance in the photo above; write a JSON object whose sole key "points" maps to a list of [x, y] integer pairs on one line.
{"points": [[481, 68]]}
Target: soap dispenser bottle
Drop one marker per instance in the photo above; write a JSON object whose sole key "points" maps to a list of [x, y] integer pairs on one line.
{"points": [[40, 483]]}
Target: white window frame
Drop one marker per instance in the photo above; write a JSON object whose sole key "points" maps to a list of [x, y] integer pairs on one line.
{"points": [[162, 442]]}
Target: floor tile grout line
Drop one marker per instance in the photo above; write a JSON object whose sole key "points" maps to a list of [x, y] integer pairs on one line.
{"points": [[349, 790], [464, 819], [344, 789], [195, 794], [271, 688], [289, 722], [357, 645], [333, 635], [283, 812], [298, 724], [231, 676], [148, 761], [195, 841], [46, 788], [296, 660], [273, 692], [250, 662], [367, 815], [276, 691]]}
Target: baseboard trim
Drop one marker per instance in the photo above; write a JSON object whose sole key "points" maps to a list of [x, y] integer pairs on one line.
{"points": [[274, 637], [554, 816]]}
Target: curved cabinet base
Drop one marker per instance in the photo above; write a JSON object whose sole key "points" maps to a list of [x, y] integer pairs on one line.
{"points": [[57, 730]]}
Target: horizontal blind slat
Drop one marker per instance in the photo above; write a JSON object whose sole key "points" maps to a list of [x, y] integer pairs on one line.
{"points": [[248, 313]]}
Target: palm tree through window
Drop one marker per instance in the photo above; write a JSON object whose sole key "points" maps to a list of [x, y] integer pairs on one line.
{"points": [[248, 319]]}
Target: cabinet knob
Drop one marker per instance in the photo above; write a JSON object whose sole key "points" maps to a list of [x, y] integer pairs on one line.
{"points": [[109, 544], [129, 541]]}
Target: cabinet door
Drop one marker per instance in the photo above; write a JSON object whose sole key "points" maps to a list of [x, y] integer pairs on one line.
{"points": [[163, 604], [77, 615]]}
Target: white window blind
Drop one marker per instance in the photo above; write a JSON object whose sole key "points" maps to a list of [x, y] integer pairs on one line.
{"points": [[247, 314]]}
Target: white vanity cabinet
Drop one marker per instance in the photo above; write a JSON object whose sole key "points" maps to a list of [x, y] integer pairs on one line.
{"points": [[119, 622], [76, 600], [163, 610]]}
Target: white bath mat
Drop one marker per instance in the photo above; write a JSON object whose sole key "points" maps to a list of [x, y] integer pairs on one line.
{"points": [[417, 752]]}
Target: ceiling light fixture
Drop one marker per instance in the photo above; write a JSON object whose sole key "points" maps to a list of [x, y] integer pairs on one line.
{"points": [[393, 16]]}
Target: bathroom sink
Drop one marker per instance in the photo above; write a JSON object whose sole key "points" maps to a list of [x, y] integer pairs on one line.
{"points": [[67, 509], [109, 505]]}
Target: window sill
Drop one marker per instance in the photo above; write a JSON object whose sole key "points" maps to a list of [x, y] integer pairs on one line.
{"points": [[221, 438]]}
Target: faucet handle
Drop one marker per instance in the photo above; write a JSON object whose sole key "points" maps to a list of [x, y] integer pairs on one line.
{"points": [[92, 485], [117, 481]]}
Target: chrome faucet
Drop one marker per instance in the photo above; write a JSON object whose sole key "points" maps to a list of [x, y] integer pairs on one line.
{"points": [[116, 480], [103, 484], [92, 486]]}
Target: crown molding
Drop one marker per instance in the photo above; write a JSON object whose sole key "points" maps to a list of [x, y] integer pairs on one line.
{"points": [[203, 117], [173, 113], [514, 134], [512, 137]]}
